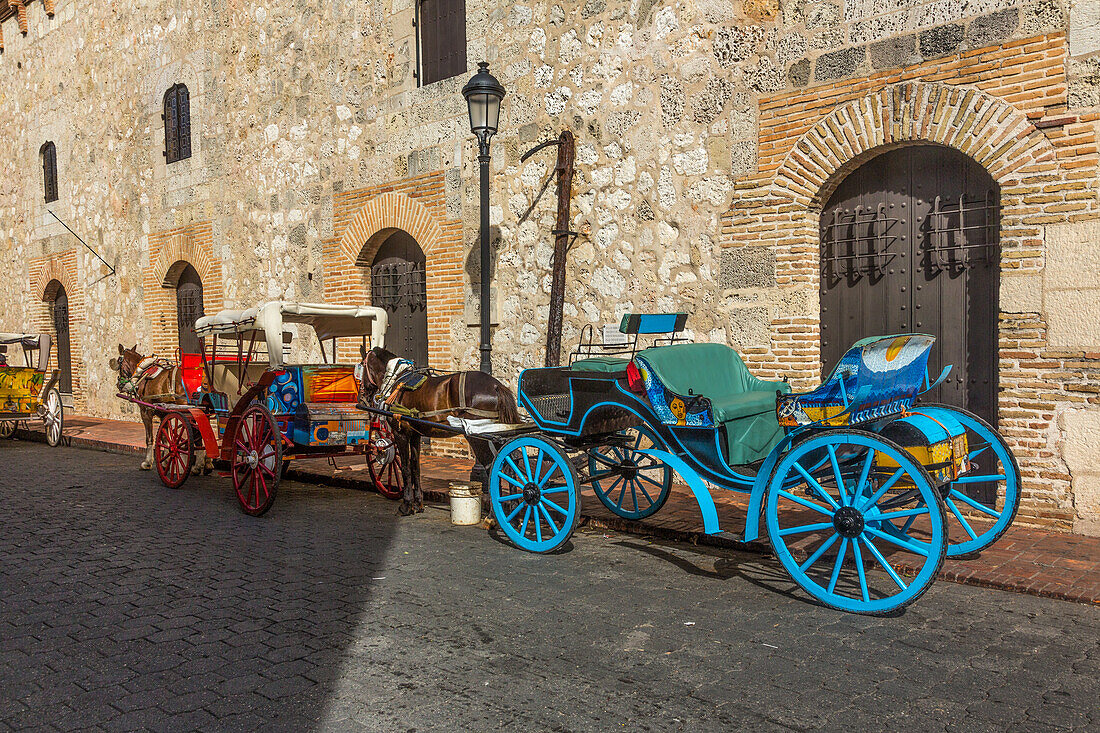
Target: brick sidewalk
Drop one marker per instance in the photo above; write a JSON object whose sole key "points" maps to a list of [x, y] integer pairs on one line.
{"points": [[1025, 560]]}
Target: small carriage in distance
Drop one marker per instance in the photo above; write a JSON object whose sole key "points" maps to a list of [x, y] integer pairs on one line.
{"points": [[28, 390], [862, 492], [253, 411]]}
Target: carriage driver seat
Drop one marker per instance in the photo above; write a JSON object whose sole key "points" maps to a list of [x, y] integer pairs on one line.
{"points": [[708, 385]]}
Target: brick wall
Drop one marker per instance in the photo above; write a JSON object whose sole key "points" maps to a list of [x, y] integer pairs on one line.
{"points": [[363, 218], [168, 250], [1006, 107]]}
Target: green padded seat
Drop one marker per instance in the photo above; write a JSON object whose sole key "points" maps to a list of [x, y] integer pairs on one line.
{"points": [[740, 402], [605, 364]]}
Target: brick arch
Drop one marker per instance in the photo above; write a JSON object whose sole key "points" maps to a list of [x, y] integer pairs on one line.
{"points": [[175, 256], [998, 136], [388, 211], [53, 273]]}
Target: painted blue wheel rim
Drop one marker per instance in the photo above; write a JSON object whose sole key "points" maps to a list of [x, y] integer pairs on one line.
{"points": [[848, 564], [994, 460], [635, 497], [545, 524]]}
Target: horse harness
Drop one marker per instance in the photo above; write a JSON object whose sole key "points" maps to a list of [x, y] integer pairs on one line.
{"points": [[402, 375], [148, 368]]}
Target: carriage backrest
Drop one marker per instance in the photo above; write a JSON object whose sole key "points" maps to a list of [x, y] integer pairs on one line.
{"points": [[876, 377], [653, 323], [700, 369]]}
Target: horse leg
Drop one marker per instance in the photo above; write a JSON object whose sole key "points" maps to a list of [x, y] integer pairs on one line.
{"points": [[484, 455], [401, 440], [418, 492], [147, 418]]}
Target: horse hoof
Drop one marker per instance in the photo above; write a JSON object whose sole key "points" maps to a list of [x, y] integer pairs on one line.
{"points": [[419, 508], [405, 509], [146, 466]]}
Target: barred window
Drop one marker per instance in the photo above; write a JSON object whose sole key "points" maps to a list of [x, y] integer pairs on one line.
{"points": [[49, 171], [177, 124], [441, 39]]}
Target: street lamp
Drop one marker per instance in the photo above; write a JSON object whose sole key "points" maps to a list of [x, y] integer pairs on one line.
{"points": [[483, 94]]}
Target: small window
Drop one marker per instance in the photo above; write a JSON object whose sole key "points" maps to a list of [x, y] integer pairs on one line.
{"points": [[49, 171], [442, 39], [177, 124]]}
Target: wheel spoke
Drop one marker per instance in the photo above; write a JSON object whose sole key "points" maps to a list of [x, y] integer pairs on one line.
{"points": [[813, 483], [555, 506], [858, 490], [883, 489], [818, 553], [527, 464], [904, 544], [903, 513], [526, 518], [885, 565], [649, 498], [549, 521], [805, 528], [538, 469], [512, 464], [511, 497], [958, 515], [655, 482], [538, 526], [979, 479], [515, 511], [509, 479], [836, 474], [974, 454], [838, 564], [805, 502], [974, 503], [554, 468], [860, 571], [634, 493]]}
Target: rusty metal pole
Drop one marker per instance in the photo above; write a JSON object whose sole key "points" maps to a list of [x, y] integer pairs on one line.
{"points": [[561, 243]]}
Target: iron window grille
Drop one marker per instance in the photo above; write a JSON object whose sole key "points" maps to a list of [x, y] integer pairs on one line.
{"points": [[858, 242], [397, 284], [962, 231], [49, 171], [177, 124]]}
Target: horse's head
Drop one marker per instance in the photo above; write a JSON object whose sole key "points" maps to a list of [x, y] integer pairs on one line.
{"points": [[374, 371], [126, 362]]}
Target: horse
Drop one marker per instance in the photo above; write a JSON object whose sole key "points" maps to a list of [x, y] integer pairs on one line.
{"points": [[151, 380], [469, 395]]}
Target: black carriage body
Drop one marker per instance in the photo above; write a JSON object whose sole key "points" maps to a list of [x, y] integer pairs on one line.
{"points": [[575, 403]]}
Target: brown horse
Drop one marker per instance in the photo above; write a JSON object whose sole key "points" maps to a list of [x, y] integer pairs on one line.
{"points": [[469, 395], [151, 381]]}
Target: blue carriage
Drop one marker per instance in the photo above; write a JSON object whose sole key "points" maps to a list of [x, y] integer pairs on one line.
{"points": [[862, 490]]}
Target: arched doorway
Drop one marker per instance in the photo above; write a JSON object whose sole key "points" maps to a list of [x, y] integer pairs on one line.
{"points": [[60, 317], [399, 286], [910, 242], [188, 309]]}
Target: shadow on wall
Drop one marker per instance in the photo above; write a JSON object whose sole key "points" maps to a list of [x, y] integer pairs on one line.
{"points": [[473, 258]]}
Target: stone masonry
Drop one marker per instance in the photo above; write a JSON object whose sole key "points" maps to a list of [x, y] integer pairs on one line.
{"points": [[709, 135]]}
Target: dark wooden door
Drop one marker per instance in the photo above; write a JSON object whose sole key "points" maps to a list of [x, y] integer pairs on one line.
{"points": [[188, 310], [399, 285], [910, 243], [64, 349]]}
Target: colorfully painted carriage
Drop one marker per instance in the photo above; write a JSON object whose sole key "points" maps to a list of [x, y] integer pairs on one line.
{"points": [[252, 410], [861, 491], [28, 390]]}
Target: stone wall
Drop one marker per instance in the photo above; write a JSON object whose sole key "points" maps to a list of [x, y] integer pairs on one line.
{"points": [[311, 139]]}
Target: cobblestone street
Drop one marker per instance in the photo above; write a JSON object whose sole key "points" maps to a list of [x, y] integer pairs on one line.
{"points": [[127, 606]]}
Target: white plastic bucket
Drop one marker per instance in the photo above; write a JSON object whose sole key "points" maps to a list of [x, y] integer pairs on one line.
{"points": [[465, 505]]}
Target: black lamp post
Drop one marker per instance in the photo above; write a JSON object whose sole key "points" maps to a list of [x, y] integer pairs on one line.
{"points": [[483, 94]]}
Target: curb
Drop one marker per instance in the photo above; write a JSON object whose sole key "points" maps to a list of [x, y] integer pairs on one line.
{"points": [[724, 540]]}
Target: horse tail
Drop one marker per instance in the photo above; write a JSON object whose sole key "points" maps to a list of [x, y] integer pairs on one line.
{"points": [[506, 405]]}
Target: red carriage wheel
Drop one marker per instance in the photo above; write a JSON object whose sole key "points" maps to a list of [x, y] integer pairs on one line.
{"points": [[384, 463], [257, 460], [173, 451]]}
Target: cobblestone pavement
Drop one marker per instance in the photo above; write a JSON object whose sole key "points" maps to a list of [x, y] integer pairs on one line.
{"points": [[125, 605]]}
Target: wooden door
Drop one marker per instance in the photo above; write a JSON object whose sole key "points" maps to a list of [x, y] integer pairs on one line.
{"points": [[64, 350], [399, 285]]}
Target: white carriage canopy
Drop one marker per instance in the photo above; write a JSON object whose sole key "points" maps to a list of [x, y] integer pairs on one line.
{"points": [[266, 321], [29, 342]]}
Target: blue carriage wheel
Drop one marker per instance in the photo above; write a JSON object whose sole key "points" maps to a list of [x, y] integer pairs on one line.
{"points": [[974, 524], [832, 502], [632, 485], [533, 492]]}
